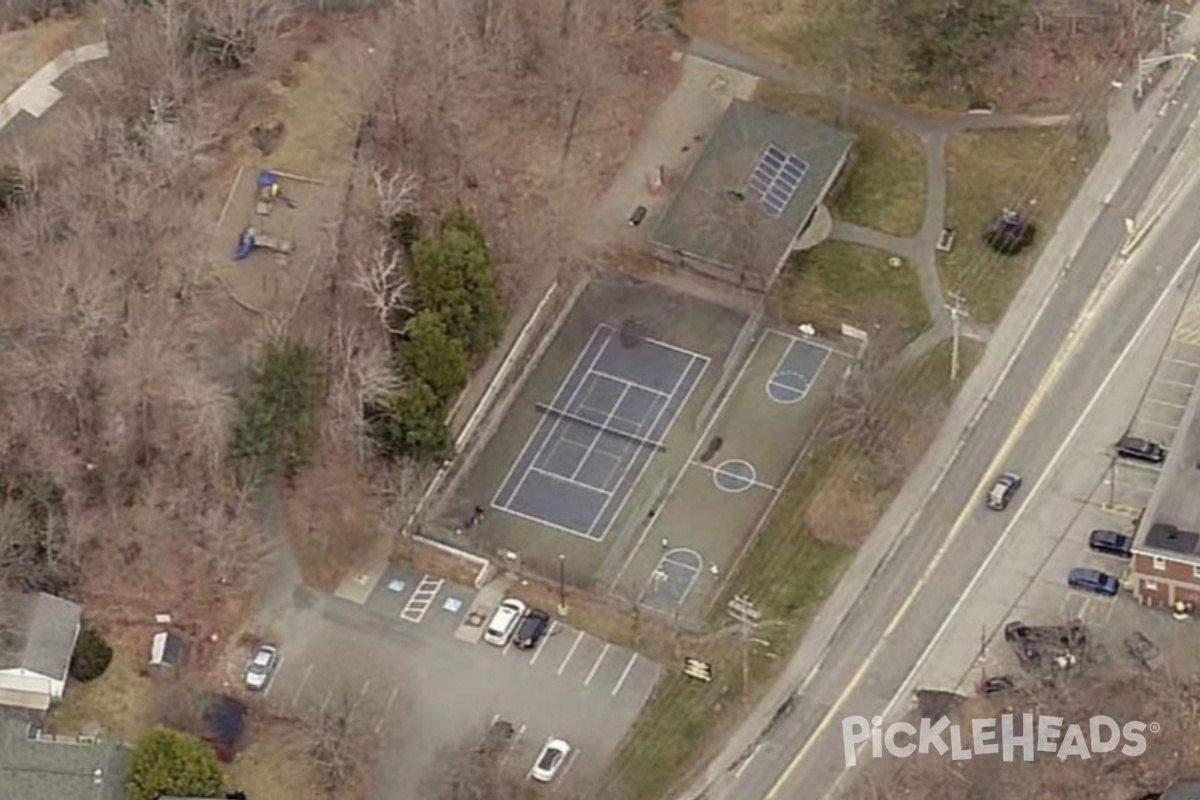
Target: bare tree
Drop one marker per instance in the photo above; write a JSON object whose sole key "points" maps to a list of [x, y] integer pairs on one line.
{"points": [[340, 744], [381, 278], [477, 770]]}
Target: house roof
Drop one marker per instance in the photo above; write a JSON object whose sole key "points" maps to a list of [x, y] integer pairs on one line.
{"points": [[42, 637], [32, 769], [715, 215], [1170, 523]]}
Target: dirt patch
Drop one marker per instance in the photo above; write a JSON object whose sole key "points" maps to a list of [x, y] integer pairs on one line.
{"points": [[426, 558], [24, 52], [330, 516]]}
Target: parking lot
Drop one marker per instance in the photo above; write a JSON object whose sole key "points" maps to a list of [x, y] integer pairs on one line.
{"points": [[425, 680]]}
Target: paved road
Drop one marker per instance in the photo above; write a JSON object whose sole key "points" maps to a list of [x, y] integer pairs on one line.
{"points": [[871, 656]]}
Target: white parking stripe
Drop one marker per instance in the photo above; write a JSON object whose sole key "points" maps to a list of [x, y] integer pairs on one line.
{"points": [[1192, 364], [542, 645], [570, 653], [271, 677], [512, 746], [388, 708], [567, 766], [1166, 403], [596, 666], [303, 682], [325, 703], [624, 674]]}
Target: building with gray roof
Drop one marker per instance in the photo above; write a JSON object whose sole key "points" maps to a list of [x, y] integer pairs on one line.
{"points": [[752, 191], [37, 766], [36, 645]]}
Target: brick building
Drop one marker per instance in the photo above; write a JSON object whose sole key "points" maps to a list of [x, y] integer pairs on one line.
{"points": [[1166, 553]]}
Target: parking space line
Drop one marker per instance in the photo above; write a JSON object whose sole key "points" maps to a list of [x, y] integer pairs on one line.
{"points": [[325, 703], [271, 681], [596, 666], [1186, 363], [388, 708], [1184, 384], [303, 682], [512, 746], [567, 766], [624, 674], [1166, 403], [542, 645], [1168, 425], [570, 653]]}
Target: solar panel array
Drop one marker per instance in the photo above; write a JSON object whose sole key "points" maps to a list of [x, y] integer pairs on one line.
{"points": [[775, 179]]}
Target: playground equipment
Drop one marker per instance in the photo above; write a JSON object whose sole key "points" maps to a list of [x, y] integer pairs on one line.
{"points": [[269, 191], [251, 239]]}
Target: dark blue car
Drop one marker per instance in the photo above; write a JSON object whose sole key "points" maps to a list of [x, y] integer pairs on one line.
{"points": [[1093, 580]]}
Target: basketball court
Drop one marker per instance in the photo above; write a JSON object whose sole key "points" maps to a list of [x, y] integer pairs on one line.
{"points": [[740, 463]]}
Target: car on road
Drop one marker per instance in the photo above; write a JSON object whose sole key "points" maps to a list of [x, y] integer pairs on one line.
{"points": [[550, 760], [1093, 580], [532, 628], [1111, 543], [504, 621], [1143, 650], [1140, 449], [260, 667], [1003, 490]]}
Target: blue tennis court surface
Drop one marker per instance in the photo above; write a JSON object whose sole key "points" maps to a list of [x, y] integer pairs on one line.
{"points": [[597, 436]]}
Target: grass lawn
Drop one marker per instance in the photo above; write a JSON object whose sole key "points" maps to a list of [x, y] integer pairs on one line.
{"points": [[787, 573], [883, 185], [837, 282], [272, 766], [986, 170], [120, 703]]}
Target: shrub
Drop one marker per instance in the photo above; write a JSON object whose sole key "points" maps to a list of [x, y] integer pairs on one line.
{"points": [[276, 424], [171, 762], [431, 355], [412, 425], [91, 657]]}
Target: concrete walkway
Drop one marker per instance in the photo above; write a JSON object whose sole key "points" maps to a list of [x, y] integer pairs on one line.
{"points": [[920, 249], [36, 95]]}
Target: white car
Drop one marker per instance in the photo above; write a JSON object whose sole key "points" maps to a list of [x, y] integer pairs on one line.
{"points": [[552, 757], [262, 664], [504, 621]]}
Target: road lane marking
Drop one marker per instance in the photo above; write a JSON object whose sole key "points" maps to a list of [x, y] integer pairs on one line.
{"points": [[596, 666], [1017, 431], [624, 674], [303, 682], [570, 653], [749, 758], [542, 645]]}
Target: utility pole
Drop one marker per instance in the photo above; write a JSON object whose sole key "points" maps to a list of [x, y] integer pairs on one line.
{"points": [[957, 312], [562, 585]]}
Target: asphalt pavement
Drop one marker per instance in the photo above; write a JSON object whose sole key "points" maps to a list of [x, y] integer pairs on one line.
{"points": [[1020, 420]]}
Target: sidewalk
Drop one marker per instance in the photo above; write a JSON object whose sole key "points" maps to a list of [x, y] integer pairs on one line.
{"points": [[1129, 128]]}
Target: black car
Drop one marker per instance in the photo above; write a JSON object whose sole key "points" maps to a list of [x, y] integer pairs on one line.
{"points": [[1002, 491], [997, 685], [1141, 450], [532, 628], [637, 216], [1111, 543]]}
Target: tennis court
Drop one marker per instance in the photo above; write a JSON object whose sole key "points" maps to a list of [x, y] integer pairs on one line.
{"points": [[605, 424]]}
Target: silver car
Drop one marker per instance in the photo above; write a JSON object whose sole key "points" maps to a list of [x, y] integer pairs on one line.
{"points": [[262, 664]]}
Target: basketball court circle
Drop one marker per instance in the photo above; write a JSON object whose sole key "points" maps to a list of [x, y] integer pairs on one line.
{"points": [[671, 581]]}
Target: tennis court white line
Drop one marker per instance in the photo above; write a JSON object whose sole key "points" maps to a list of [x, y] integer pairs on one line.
{"points": [[554, 426], [649, 340], [600, 432], [627, 382], [547, 523], [646, 461], [529, 442], [555, 476]]}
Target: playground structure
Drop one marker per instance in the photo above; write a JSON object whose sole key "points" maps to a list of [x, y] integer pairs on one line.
{"points": [[252, 239], [269, 191]]}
